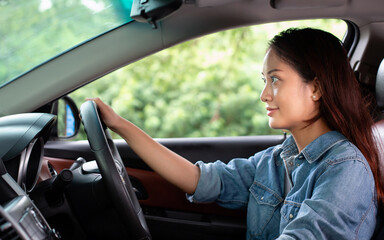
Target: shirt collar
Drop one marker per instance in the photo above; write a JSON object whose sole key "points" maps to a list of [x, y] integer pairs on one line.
{"points": [[313, 151]]}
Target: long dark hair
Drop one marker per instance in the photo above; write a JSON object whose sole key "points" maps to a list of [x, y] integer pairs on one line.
{"points": [[316, 54]]}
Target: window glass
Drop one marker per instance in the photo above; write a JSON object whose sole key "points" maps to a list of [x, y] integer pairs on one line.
{"points": [[36, 30], [205, 87]]}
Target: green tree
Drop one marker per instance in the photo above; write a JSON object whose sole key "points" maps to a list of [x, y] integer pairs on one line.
{"points": [[36, 30], [204, 87]]}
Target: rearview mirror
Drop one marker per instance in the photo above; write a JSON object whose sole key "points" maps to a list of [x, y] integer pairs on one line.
{"points": [[151, 11]]}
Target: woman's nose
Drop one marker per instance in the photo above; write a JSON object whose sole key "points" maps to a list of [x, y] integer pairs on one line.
{"points": [[266, 94]]}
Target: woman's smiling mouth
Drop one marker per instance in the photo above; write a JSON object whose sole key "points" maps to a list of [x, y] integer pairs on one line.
{"points": [[271, 110]]}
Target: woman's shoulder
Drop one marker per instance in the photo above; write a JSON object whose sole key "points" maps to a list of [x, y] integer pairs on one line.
{"points": [[344, 151], [333, 150], [344, 159]]}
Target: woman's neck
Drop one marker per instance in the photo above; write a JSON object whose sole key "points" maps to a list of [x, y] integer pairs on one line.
{"points": [[306, 135]]}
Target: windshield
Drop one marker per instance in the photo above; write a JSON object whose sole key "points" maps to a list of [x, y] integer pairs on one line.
{"points": [[33, 31]]}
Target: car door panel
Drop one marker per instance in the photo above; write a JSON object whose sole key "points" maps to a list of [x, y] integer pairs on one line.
{"points": [[165, 206]]}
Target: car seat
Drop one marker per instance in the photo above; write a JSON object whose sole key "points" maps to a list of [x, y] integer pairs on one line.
{"points": [[378, 131]]}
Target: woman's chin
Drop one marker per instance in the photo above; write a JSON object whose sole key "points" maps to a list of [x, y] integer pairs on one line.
{"points": [[275, 125]]}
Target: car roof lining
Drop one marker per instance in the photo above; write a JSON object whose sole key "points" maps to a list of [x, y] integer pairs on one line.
{"points": [[306, 4]]}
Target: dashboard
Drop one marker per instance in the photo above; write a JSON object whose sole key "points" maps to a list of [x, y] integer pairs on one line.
{"points": [[22, 139]]}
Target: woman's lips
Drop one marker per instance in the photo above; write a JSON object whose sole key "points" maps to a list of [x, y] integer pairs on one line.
{"points": [[271, 110]]}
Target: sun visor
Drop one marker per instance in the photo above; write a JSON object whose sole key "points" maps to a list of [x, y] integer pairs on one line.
{"points": [[17, 131]]}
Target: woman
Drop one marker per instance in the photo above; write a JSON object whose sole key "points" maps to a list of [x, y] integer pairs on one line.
{"points": [[323, 182]]}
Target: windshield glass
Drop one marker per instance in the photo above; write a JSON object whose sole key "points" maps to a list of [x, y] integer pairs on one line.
{"points": [[33, 31]]}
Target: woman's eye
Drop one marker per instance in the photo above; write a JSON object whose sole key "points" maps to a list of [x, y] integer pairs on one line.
{"points": [[264, 80], [274, 79]]}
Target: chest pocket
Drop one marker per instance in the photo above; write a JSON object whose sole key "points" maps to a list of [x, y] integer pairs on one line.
{"points": [[263, 216], [289, 212]]}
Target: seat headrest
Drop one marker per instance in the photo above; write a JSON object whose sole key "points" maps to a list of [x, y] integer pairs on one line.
{"points": [[380, 86]]}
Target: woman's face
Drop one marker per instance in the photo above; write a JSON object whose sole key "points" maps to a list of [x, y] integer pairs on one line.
{"points": [[290, 102]]}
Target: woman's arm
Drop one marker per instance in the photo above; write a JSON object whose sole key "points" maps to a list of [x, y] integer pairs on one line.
{"points": [[168, 164]]}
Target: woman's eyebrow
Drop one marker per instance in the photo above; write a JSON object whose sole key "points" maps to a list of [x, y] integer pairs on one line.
{"points": [[272, 71]]}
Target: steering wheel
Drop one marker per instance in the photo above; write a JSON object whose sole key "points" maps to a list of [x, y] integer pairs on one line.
{"points": [[113, 172]]}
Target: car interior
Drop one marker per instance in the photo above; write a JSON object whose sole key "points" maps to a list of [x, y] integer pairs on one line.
{"points": [[55, 188], [379, 128]]}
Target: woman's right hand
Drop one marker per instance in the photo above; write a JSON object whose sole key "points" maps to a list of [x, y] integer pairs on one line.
{"points": [[109, 116]]}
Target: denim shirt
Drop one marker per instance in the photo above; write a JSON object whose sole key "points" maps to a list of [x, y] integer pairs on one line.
{"points": [[333, 193]]}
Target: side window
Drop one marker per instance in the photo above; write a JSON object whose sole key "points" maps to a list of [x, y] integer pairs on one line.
{"points": [[205, 87]]}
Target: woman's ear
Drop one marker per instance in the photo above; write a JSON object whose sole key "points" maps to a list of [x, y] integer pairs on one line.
{"points": [[316, 90]]}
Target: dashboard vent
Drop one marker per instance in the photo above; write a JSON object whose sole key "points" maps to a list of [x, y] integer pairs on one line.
{"points": [[7, 232], [52, 171]]}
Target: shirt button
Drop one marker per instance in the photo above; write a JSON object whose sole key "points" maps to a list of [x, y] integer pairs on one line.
{"points": [[262, 198], [290, 216], [290, 163]]}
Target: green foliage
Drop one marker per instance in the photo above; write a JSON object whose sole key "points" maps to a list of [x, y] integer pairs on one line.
{"points": [[204, 87], [34, 31]]}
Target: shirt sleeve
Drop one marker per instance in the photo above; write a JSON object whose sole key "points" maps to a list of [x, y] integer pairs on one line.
{"points": [[226, 184], [342, 206], [208, 187]]}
